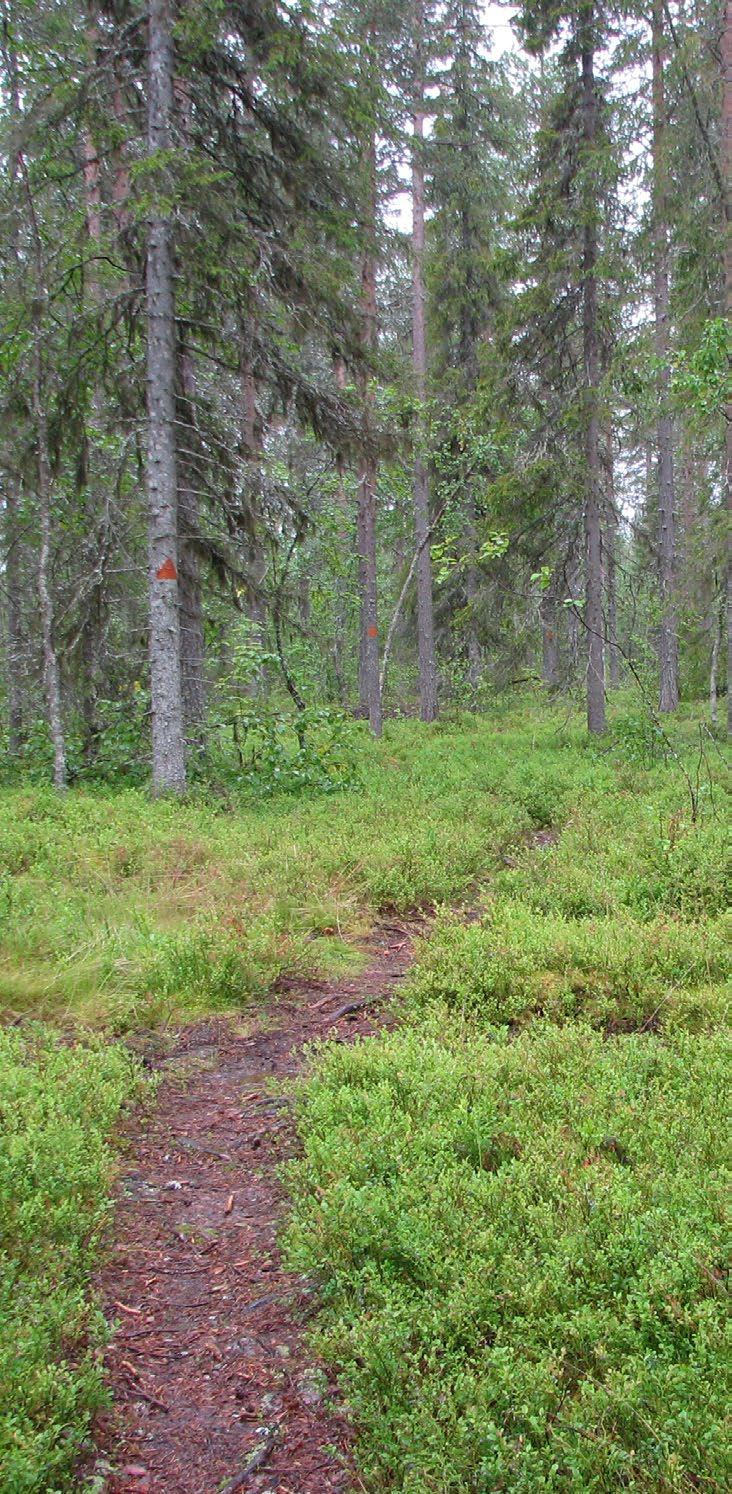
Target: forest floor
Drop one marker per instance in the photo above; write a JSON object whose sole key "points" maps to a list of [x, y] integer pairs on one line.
{"points": [[214, 1385], [496, 1226]]}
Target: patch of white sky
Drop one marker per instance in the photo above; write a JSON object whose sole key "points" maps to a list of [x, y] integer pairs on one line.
{"points": [[500, 38], [631, 85]]}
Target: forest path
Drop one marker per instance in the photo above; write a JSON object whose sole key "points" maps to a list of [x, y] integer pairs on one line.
{"points": [[214, 1388]]}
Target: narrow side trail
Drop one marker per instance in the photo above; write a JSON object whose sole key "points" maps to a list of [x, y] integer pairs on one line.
{"points": [[214, 1388]]}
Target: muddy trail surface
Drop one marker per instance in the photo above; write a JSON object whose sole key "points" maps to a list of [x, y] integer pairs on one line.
{"points": [[214, 1388]]}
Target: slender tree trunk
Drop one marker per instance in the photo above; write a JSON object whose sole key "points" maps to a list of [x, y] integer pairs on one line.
{"points": [[39, 398], [369, 691], [169, 773], [421, 497], [14, 592], [591, 354], [472, 592], [610, 548], [121, 175], [192, 648], [573, 583], [668, 647], [51, 670], [341, 583], [251, 440], [717, 632], [13, 576], [727, 56], [549, 637]]}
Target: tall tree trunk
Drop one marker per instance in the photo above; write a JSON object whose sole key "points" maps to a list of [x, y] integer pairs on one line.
{"points": [[472, 592], [12, 558], [573, 583], [717, 631], [668, 646], [369, 691], [14, 593], [39, 399], [610, 542], [549, 637], [51, 670], [341, 580], [168, 738], [591, 356], [421, 497], [727, 56], [251, 442], [192, 656]]}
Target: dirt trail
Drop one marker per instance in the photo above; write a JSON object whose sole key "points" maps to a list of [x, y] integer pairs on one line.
{"points": [[214, 1389]]}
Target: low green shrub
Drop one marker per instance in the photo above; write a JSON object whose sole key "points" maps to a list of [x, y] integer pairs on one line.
{"points": [[57, 1108], [521, 1246], [613, 971]]}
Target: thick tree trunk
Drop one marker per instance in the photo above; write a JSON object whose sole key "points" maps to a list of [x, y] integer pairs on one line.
{"points": [[369, 691], [192, 656], [591, 356], [727, 56], [668, 647], [168, 739], [421, 497]]}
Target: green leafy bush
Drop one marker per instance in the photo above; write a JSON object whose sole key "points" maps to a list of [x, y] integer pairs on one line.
{"points": [[290, 752], [614, 971], [57, 1108], [522, 1251]]}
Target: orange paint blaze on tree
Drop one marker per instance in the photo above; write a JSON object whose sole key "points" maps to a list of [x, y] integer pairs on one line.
{"points": [[167, 571], [373, 632]]}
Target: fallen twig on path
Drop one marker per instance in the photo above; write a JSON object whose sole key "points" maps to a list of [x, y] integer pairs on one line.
{"points": [[258, 1457]]}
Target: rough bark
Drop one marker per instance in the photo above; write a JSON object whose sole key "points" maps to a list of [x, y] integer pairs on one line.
{"points": [[591, 357], [192, 647], [368, 674], [168, 739], [668, 647], [420, 487]]}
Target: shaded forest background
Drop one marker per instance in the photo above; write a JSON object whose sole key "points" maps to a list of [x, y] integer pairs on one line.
{"points": [[344, 367]]}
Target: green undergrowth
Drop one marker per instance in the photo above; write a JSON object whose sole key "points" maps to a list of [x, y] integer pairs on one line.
{"points": [[522, 1245], [58, 1106], [514, 1203], [121, 912]]}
